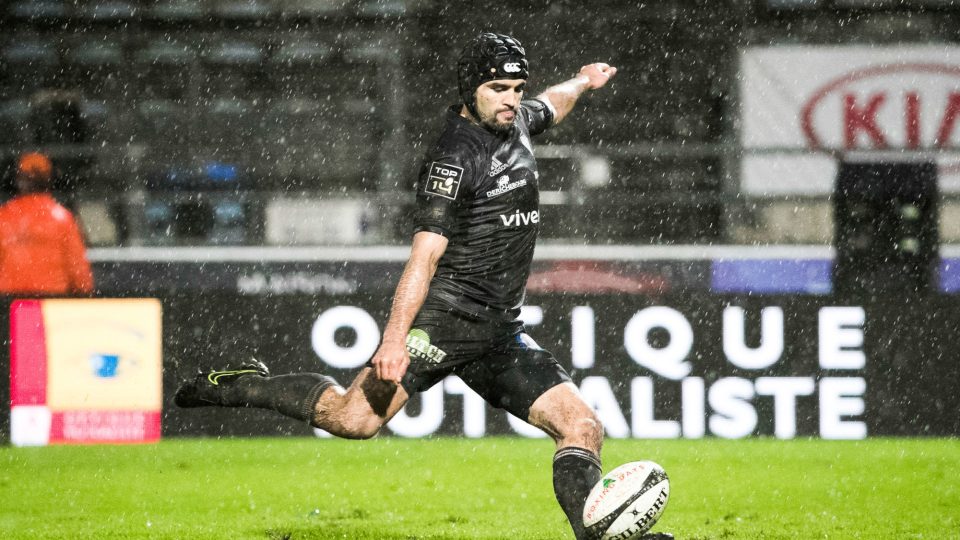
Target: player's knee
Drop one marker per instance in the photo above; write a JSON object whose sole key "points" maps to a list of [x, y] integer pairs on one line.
{"points": [[588, 430]]}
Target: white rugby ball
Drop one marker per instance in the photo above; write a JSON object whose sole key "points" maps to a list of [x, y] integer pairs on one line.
{"points": [[627, 501]]}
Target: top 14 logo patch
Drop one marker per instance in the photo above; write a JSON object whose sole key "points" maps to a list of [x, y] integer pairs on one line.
{"points": [[444, 180]]}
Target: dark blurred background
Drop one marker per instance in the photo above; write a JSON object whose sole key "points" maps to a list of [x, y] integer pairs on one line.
{"points": [[292, 122]]}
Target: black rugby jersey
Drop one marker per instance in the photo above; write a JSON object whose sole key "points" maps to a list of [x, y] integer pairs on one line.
{"points": [[479, 189]]}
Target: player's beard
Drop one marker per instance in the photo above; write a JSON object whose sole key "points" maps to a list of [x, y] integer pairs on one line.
{"points": [[500, 128]]}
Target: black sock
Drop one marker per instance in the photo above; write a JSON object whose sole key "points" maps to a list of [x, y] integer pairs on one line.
{"points": [[294, 395], [575, 472]]}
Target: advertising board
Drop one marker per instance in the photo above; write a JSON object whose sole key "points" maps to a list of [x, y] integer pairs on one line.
{"points": [[85, 371], [804, 105]]}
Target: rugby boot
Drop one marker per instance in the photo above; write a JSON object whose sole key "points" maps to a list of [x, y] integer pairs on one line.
{"points": [[212, 388]]}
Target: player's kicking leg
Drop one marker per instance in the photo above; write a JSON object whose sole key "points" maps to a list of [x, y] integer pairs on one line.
{"points": [[574, 426], [357, 412], [578, 433]]}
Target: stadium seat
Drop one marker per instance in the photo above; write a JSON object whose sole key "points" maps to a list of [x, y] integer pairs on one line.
{"points": [[29, 65], [351, 156], [363, 68], [310, 8], [159, 217], [106, 10], [56, 117], [163, 70], [162, 123], [15, 123], [94, 68], [365, 53], [234, 53], [229, 223], [251, 10], [383, 8], [301, 53], [232, 69], [105, 122], [230, 132], [295, 136], [176, 11], [31, 10], [95, 54], [293, 69]]}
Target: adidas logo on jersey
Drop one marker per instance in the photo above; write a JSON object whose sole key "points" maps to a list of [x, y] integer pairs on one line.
{"points": [[496, 167]]}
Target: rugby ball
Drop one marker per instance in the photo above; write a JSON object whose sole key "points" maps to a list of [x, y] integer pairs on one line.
{"points": [[627, 501]]}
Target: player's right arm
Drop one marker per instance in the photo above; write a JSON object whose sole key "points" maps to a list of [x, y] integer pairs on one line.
{"points": [[564, 96], [391, 359]]}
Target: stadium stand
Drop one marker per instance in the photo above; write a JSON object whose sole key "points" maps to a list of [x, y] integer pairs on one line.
{"points": [[29, 64], [335, 97], [15, 122], [38, 10]]}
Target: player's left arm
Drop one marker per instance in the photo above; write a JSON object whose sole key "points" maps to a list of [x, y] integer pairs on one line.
{"points": [[564, 96]]}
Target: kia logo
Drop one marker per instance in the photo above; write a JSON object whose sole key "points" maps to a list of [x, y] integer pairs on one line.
{"points": [[886, 106], [511, 67]]}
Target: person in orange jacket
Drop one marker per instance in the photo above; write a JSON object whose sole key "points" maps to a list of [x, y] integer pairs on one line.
{"points": [[41, 247]]}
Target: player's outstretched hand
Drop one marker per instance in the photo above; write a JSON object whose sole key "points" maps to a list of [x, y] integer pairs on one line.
{"points": [[391, 361], [597, 74]]}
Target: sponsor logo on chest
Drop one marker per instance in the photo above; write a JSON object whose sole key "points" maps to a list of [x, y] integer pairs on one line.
{"points": [[520, 219], [504, 185]]}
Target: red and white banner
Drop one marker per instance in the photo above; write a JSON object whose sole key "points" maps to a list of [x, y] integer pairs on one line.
{"points": [[85, 371], [802, 105]]}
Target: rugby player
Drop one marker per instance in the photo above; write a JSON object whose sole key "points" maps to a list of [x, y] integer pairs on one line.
{"points": [[456, 307]]}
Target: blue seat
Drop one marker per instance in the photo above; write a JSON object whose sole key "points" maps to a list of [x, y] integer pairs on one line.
{"points": [[229, 223], [159, 217]]}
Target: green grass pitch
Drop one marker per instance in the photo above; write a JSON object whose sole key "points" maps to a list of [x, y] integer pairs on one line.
{"points": [[450, 488]]}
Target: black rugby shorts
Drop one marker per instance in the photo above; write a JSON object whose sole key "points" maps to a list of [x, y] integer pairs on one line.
{"points": [[498, 360]]}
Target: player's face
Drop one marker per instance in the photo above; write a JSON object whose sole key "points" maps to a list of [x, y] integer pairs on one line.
{"points": [[497, 103]]}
